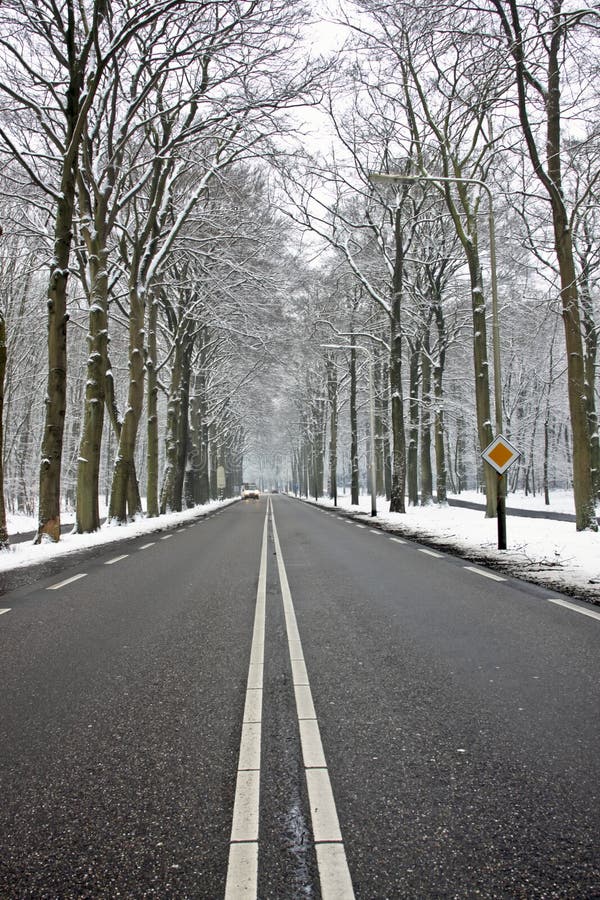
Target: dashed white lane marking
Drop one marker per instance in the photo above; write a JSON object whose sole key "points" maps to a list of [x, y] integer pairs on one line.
{"points": [[117, 559], [333, 869], [145, 546], [431, 553], [242, 875], [575, 608], [166, 537], [312, 748], [55, 587], [397, 541], [484, 573], [360, 526], [326, 826], [2, 611], [334, 875], [242, 870]]}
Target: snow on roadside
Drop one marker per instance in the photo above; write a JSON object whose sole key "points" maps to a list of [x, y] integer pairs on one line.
{"points": [[26, 554], [560, 501], [539, 550]]}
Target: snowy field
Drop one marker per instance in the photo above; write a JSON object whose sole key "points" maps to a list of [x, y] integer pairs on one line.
{"points": [[539, 550]]}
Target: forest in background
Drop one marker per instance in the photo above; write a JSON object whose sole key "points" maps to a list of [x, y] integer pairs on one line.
{"points": [[197, 269]]}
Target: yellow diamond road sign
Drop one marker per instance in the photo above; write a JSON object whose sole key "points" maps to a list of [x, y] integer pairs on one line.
{"points": [[500, 454]]}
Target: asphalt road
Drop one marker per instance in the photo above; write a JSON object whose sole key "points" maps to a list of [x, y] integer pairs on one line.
{"points": [[303, 710]]}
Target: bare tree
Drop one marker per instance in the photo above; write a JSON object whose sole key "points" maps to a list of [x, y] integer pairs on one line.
{"points": [[539, 41]]}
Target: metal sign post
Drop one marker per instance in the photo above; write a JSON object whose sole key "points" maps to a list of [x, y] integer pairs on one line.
{"points": [[500, 455]]}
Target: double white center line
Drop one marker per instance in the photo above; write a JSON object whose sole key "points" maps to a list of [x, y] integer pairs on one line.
{"points": [[242, 872], [242, 875]]}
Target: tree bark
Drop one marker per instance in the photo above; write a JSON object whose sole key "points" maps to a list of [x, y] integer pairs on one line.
{"points": [[379, 419], [332, 392], [438, 391], [397, 503], [426, 472], [177, 430], [413, 418], [152, 505], [56, 394], [354, 487], [590, 333], [123, 477], [90, 448], [481, 369]]}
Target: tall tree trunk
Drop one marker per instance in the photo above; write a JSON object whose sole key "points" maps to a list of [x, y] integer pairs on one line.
{"points": [[354, 487], [438, 391], [387, 454], [167, 494], [397, 503], [56, 393], [379, 418], [413, 417], [152, 506], [426, 473], [90, 448], [332, 393], [204, 486], [183, 430], [590, 333], [192, 488], [213, 460], [481, 369], [123, 477]]}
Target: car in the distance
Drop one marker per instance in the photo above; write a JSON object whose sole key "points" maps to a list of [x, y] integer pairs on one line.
{"points": [[250, 491]]}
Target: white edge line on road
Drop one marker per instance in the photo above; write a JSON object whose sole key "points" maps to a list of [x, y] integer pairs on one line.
{"points": [[55, 587], [2, 611], [484, 573], [145, 546], [166, 537], [397, 541], [574, 607], [431, 553], [334, 874], [242, 868], [117, 559]]}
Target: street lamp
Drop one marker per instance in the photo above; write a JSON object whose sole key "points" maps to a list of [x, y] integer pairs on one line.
{"points": [[371, 415], [384, 178]]}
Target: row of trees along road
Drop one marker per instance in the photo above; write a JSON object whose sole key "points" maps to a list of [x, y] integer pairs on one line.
{"points": [[462, 100], [149, 154], [121, 126]]}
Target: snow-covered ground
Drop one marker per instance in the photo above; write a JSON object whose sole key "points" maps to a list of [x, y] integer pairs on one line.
{"points": [[560, 501], [540, 550]]}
